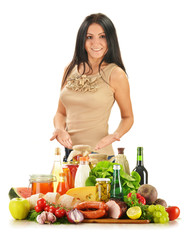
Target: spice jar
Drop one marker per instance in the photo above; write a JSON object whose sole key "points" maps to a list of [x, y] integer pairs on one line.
{"points": [[42, 183], [102, 189]]}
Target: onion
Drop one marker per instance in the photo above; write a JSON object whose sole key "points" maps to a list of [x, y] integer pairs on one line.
{"points": [[75, 216]]}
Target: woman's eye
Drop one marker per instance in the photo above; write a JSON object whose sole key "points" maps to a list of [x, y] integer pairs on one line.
{"points": [[103, 36], [88, 37]]}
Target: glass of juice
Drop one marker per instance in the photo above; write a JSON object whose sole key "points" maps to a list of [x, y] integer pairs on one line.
{"points": [[42, 183]]}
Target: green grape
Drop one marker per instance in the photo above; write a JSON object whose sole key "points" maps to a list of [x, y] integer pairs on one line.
{"points": [[158, 214], [163, 219], [165, 214], [156, 220], [151, 208]]}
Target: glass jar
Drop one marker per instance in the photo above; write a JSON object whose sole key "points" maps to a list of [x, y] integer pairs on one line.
{"points": [[102, 189], [42, 183]]}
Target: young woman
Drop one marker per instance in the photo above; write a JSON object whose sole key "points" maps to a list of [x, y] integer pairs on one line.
{"points": [[93, 80]]}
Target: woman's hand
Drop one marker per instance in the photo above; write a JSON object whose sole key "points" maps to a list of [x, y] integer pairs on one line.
{"points": [[62, 137], [109, 139]]}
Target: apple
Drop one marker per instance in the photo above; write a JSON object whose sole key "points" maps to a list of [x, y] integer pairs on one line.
{"points": [[19, 208]]}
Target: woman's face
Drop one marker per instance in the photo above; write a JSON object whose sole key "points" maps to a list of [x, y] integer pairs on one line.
{"points": [[96, 43]]}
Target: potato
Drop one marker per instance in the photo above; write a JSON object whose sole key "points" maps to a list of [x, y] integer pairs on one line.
{"points": [[160, 201], [148, 192]]}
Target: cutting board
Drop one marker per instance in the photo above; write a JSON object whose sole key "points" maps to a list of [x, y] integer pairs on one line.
{"points": [[112, 220]]}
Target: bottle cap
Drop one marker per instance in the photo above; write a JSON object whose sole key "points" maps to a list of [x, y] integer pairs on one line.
{"points": [[102, 179], [116, 167], [140, 150], [84, 158], [120, 150], [57, 151]]}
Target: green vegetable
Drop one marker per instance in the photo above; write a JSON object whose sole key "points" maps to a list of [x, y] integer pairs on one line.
{"points": [[104, 169], [32, 215]]}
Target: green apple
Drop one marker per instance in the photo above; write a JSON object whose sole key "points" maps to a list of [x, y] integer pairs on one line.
{"points": [[19, 208]]}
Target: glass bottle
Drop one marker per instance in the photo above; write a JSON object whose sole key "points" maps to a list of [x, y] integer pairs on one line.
{"points": [[140, 169], [82, 172], [63, 185], [57, 167], [116, 187]]}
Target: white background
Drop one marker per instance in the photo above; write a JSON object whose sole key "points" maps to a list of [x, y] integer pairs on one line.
{"points": [[37, 41]]}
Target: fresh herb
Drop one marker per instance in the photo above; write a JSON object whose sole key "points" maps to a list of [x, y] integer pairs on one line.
{"points": [[104, 169], [32, 215], [62, 220]]}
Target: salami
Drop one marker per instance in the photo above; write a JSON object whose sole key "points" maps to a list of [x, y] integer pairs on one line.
{"points": [[92, 209]]}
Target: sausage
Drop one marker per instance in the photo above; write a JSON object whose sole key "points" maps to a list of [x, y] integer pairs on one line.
{"points": [[92, 209], [91, 205], [93, 213]]}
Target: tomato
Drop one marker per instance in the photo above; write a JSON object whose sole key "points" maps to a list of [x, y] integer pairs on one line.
{"points": [[52, 209], [46, 208], [38, 209], [59, 213], [140, 198], [41, 203], [173, 212]]}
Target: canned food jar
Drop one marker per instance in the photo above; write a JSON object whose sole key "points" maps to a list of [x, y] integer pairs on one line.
{"points": [[102, 189], [42, 183]]}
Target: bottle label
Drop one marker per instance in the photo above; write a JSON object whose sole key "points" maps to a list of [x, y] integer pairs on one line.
{"points": [[139, 158]]}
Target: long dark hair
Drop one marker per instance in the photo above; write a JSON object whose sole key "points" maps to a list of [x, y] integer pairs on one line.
{"points": [[113, 54]]}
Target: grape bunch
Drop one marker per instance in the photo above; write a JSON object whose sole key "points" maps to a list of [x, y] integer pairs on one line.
{"points": [[158, 213]]}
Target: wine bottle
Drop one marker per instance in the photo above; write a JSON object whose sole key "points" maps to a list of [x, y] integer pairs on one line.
{"points": [[140, 169]]}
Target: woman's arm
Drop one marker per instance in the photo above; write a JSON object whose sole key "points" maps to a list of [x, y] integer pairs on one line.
{"points": [[120, 86], [60, 133]]}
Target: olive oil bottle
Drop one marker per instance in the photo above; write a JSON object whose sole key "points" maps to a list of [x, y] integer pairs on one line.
{"points": [[140, 167], [57, 167]]}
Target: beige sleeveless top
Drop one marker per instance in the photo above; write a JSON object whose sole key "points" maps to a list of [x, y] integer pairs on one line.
{"points": [[88, 100]]}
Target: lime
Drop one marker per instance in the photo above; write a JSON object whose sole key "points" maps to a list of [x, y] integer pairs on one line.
{"points": [[134, 212]]}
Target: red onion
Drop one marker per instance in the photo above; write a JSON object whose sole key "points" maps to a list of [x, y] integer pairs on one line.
{"points": [[75, 216]]}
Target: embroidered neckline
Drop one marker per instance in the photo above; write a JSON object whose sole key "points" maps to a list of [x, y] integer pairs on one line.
{"points": [[83, 83]]}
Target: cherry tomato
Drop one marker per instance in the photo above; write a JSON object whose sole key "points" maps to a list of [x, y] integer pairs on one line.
{"points": [[41, 203], [59, 213], [173, 212], [46, 208], [38, 209], [52, 209]]}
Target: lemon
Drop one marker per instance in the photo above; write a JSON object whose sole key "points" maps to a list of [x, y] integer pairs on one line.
{"points": [[134, 212]]}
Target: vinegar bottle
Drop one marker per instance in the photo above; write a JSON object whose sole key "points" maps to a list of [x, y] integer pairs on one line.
{"points": [[140, 169], [57, 167]]}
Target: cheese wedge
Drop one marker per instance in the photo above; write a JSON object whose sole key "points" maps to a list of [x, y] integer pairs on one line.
{"points": [[83, 193]]}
